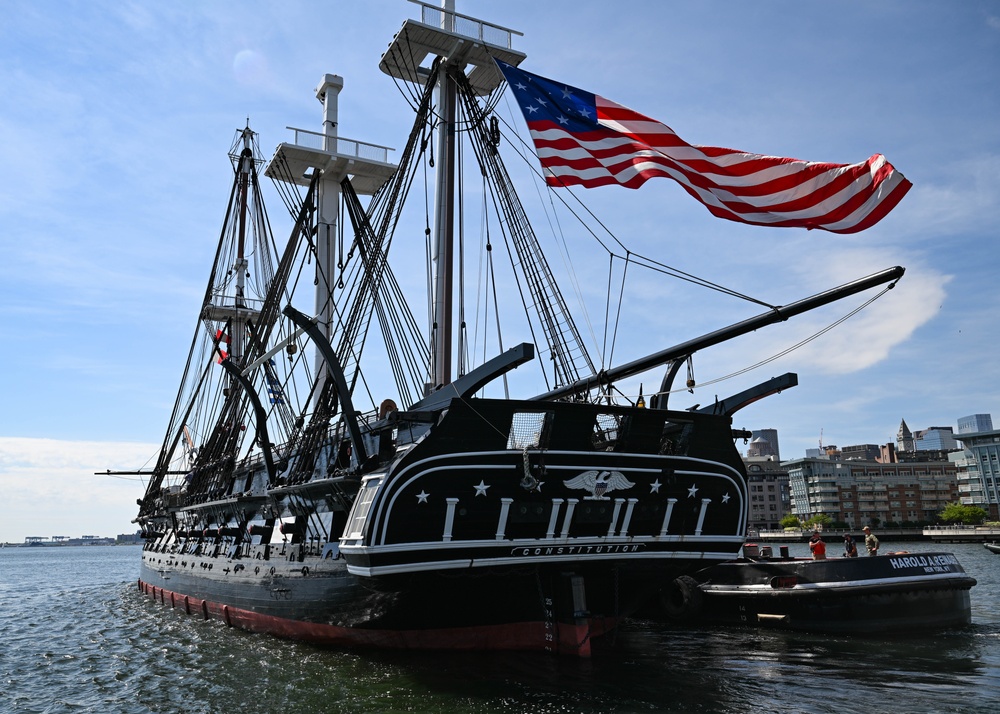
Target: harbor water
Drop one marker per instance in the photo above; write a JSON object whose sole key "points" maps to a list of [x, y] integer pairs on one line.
{"points": [[77, 636]]}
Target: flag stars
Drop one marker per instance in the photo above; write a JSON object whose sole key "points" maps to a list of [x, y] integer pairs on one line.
{"points": [[532, 109], [481, 488], [521, 86], [692, 491], [566, 93], [541, 101], [422, 496], [562, 119]]}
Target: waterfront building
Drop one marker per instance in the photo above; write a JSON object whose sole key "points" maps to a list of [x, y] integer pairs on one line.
{"points": [[979, 482], [767, 482], [861, 493]]}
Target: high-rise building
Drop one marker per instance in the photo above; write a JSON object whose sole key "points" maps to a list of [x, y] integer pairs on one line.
{"points": [[979, 480], [768, 485], [904, 438], [764, 442], [935, 438], [861, 452], [975, 424]]}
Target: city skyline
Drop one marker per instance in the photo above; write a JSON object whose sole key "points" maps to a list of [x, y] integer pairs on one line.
{"points": [[117, 178]]}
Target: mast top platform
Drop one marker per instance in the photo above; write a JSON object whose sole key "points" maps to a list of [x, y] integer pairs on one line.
{"points": [[456, 38], [367, 164]]}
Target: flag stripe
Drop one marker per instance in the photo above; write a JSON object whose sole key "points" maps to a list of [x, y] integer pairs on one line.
{"points": [[583, 139]]}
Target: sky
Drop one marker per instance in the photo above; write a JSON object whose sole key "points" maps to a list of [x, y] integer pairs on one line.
{"points": [[117, 117]]}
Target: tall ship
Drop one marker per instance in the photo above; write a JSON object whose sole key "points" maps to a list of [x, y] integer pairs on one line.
{"points": [[333, 471]]}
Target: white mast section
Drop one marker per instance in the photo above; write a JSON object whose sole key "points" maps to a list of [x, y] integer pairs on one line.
{"points": [[335, 157], [328, 207]]}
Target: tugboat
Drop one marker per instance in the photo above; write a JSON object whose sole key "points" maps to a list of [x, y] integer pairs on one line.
{"points": [[297, 493], [897, 592]]}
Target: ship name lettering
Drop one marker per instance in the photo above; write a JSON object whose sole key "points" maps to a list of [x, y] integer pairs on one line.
{"points": [[577, 549], [934, 563]]}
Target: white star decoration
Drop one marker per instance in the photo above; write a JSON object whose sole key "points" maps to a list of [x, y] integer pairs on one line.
{"points": [[520, 86], [566, 93], [692, 491], [655, 486], [725, 499], [481, 488], [422, 497], [532, 109], [541, 101], [563, 120]]}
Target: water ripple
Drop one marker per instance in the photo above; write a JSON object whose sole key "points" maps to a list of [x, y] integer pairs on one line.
{"points": [[79, 637]]}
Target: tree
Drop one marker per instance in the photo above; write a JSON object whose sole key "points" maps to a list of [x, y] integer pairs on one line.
{"points": [[820, 519], [966, 515], [790, 521]]}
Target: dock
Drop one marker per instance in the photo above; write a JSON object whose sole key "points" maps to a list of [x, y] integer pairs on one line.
{"points": [[936, 534]]}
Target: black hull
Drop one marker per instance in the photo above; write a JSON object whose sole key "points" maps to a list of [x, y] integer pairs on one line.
{"points": [[892, 593], [319, 601], [993, 548], [460, 541]]}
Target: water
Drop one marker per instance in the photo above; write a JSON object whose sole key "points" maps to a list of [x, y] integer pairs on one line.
{"points": [[78, 637]]}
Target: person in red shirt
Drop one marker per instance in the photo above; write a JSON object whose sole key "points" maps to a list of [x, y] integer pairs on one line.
{"points": [[817, 546]]}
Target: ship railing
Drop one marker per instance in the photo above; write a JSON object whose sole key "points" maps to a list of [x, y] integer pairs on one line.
{"points": [[340, 145], [456, 22]]}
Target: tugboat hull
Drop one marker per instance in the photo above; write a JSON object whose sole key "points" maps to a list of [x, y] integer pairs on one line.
{"points": [[891, 593]]}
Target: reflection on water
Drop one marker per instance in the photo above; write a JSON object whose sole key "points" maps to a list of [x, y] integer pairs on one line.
{"points": [[79, 637]]}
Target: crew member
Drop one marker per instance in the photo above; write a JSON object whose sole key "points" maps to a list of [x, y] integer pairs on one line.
{"points": [[850, 547], [871, 542], [817, 546]]}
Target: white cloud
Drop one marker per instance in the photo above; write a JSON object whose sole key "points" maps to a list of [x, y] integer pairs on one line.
{"points": [[50, 487]]}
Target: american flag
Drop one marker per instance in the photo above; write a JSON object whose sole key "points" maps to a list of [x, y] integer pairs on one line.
{"points": [[583, 139]]}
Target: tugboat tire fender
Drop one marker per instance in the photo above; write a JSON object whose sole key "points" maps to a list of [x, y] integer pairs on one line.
{"points": [[681, 598]]}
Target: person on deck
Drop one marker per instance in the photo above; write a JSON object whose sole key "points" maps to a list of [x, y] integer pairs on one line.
{"points": [[817, 546], [871, 542], [850, 547]]}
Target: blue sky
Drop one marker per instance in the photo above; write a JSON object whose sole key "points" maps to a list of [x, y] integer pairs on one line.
{"points": [[117, 117]]}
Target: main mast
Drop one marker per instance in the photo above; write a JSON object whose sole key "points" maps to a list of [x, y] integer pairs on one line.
{"points": [[413, 49], [336, 158], [442, 313]]}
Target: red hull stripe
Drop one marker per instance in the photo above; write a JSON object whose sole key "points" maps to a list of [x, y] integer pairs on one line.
{"points": [[558, 638]]}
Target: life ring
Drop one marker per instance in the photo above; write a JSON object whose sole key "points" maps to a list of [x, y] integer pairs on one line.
{"points": [[681, 598]]}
